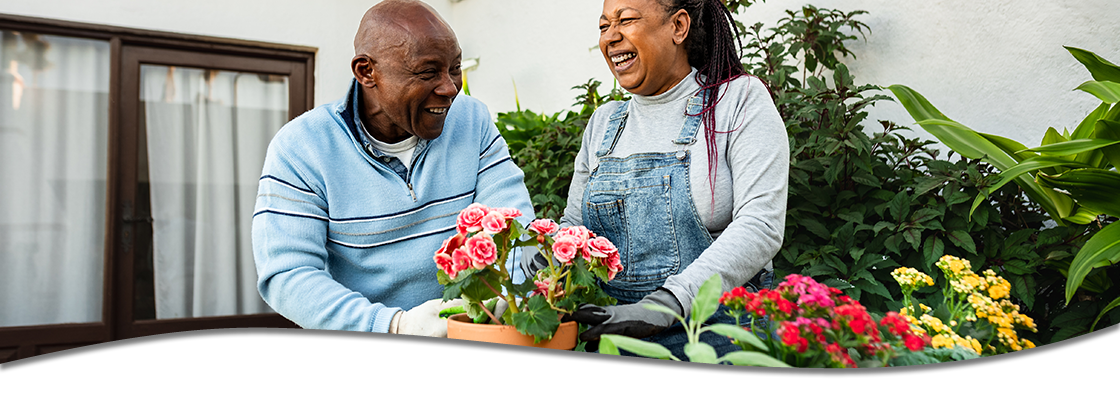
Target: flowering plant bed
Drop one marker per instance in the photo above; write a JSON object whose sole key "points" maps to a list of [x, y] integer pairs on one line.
{"points": [[473, 266], [976, 313], [814, 325]]}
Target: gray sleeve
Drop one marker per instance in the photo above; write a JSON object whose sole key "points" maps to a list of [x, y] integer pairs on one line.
{"points": [[757, 154]]}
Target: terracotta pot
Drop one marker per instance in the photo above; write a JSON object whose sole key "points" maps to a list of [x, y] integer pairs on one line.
{"points": [[459, 326]]}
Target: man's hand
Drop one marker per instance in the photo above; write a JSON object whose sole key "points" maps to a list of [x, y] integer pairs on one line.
{"points": [[632, 320], [423, 320]]}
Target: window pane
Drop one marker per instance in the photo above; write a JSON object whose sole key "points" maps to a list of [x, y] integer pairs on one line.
{"points": [[54, 127], [207, 132]]}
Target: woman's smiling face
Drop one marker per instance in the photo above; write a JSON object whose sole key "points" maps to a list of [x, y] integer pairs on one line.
{"points": [[643, 46]]}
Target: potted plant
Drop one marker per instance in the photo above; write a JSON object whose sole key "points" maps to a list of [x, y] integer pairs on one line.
{"points": [[473, 266]]}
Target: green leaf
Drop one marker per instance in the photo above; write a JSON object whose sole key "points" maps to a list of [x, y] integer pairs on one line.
{"points": [[1100, 250], [539, 320], [701, 352], [637, 346], [873, 287], [933, 249], [998, 151], [740, 334], [1072, 146], [606, 346], [1101, 69], [1094, 188], [706, 301], [1031, 165], [753, 358], [1107, 308], [900, 205], [1024, 288], [963, 240], [816, 228], [1108, 92], [1105, 129], [913, 236]]}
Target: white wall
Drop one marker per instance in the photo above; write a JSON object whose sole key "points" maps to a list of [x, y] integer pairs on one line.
{"points": [[997, 66], [326, 25]]}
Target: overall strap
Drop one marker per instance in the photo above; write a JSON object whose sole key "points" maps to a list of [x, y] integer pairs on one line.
{"points": [[614, 127], [691, 123]]}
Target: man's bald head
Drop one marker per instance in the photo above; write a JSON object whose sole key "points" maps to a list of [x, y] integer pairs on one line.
{"points": [[392, 23], [407, 66]]}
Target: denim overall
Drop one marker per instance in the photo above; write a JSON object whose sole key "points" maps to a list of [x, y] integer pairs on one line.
{"points": [[643, 204]]}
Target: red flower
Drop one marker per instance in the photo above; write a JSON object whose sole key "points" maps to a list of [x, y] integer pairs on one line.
{"points": [[470, 219]]}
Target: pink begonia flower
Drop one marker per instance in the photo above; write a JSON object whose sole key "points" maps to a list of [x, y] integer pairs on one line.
{"points": [[445, 264], [508, 212], [470, 219], [565, 248], [493, 222], [450, 244], [460, 261], [614, 265], [579, 232], [601, 247], [544, 226], [543, 287], [482, 250]]}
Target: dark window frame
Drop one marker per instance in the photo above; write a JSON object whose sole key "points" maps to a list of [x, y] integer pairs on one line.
{"points": [[127, 221]]}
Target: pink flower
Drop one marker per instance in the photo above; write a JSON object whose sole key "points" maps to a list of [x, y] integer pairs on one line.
{"points": [[601, 247], [470, 219], [614, 265], [544, 286], [445, 264], [460, 261], [482, 250], [565, 248], [579, 232], [544, 226], [493, 222], [451, 244], [508, 212]]}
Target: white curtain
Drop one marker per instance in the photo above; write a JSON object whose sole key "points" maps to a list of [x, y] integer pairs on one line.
{"points": [[207, 132], [53, 156]]}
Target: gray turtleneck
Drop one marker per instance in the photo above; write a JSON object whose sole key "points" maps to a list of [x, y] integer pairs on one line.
{"points": [[746, 215]]}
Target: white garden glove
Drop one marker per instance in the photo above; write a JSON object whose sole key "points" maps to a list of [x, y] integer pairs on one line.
{"points": [[423, 320]]}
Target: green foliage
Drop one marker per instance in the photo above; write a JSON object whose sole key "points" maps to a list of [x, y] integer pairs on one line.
{"points": [[932, 356], [545, 146], [864, 199], [1072, 176], [703, 306]]}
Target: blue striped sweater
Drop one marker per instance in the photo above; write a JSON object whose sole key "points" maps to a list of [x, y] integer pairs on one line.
{"points": [[342, 241]]}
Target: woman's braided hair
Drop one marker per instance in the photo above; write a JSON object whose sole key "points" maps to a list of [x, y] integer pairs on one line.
{"points": [[713, 49]]}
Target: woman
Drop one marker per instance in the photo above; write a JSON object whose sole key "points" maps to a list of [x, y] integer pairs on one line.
{"points": [[643, 177]]}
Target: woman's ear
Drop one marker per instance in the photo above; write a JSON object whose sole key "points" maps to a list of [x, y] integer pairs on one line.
{"points": [[681, 23], [362, 66]]}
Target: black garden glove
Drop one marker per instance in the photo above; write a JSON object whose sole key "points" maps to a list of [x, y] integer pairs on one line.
{"points": [[631, 320]]}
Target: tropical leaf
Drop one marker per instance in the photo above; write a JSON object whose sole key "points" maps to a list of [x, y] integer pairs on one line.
{"points": [[1094, 188], [1102, 69], [1100, 250], [1108, 92], [1000, 152], [1072, 146]]}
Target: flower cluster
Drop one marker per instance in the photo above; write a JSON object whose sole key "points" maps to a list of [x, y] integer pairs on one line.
{"points": [[816, 325], [473, 246], [969, 298], [472, 265]]}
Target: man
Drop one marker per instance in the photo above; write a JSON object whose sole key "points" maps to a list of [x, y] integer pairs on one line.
{"points": [[357, 195]]}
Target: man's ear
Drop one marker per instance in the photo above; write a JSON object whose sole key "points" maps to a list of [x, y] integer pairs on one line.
{"points": [[681, 24], [364, 70]]}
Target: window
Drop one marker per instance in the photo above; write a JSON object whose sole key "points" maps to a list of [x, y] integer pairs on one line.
{"points": [[129, 161]]}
